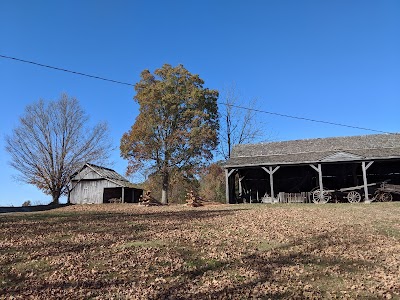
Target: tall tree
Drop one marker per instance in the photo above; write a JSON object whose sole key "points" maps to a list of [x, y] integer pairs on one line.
{"points": [[238, 125], [177, 127], [52, 141]]}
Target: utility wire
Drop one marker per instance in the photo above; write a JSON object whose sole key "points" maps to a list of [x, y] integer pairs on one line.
{"points": [[65, 70], [306, 119], [226, 104]]}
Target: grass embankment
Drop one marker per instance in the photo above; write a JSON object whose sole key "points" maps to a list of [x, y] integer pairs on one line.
{"points": [[240, 251]]}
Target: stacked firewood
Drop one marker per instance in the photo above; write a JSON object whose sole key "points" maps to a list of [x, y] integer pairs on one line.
{"points": [[148, 200], [192, 200]]}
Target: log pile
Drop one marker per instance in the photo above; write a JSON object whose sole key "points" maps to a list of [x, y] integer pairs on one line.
{"points": [[148, 200], [192, 200]]}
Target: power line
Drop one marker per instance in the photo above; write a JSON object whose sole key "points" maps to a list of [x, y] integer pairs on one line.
{"points": [[65, 70], [307, 119], [226, 104]]}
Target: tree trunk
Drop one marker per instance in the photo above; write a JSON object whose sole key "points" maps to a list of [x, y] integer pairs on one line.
{"points": [[56, 197], [165, 184], [228, 133]]}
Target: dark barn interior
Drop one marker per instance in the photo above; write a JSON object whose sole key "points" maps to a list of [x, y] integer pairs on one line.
{"points": [[131, 195], [344, 168], [302, 178]]}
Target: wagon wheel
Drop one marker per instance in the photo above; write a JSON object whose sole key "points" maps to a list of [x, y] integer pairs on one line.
{"points": [[316, 196], [377, 196], [354, 197], [386, 197]]}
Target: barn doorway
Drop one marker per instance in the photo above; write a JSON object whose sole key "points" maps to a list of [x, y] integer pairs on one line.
{"points": [[131, 195]]}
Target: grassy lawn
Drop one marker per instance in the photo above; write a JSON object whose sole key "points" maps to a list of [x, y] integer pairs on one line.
{"points": [[124, 251]]}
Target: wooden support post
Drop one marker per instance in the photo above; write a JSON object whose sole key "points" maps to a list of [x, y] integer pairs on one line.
{"points": [[271, 171], [123, 195], [364, 171], [240, 186], [227, 185], [321, 186]]}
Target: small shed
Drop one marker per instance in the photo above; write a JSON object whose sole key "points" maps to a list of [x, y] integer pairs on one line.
{"points": [[300, 166], [94, 184]]}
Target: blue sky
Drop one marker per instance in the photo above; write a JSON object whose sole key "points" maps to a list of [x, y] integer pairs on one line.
{"points": [[337, 61]]}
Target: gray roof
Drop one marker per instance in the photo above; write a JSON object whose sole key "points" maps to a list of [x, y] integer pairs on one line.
{"points": [[108, 174], [350, 148]]}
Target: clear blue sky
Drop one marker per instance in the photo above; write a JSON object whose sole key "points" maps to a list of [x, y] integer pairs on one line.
{"points": [[337, 61]]}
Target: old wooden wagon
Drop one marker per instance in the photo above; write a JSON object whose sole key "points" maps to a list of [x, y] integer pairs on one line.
{"points": [[94, 184], [313, 170], [385, 192]]}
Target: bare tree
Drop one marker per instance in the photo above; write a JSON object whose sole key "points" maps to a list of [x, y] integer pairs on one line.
{"points": [[238, 125], [52, 141]]}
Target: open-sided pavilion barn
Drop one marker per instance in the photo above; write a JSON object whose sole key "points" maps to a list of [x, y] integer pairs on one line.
{"points": [[95, 184], [341, 168]]}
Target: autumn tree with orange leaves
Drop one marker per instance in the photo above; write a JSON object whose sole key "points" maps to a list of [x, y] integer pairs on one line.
{"points": [[177, 126]]}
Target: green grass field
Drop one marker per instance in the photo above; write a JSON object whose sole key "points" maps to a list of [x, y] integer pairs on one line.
{"points": [[125, 251]]}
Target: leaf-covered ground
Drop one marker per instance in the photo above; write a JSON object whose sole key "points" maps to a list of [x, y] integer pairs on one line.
{"points": [[124, 251]]}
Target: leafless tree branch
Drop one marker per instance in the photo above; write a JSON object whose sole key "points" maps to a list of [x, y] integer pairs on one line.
{"points": [[52, 141]]}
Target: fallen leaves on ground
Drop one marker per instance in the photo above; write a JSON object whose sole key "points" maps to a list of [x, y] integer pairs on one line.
{"points": [[125, 251]]}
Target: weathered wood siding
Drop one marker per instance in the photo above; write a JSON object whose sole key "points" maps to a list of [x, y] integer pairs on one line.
{"points": [[90, 191]]}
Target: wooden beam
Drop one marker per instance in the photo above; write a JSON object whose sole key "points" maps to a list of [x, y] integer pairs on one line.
{"points": [[240, 186], [275, 169], [271, 181], [231, 171], [321, 186], [123, 194], [364, 171], [271, 171], [227, 186]]}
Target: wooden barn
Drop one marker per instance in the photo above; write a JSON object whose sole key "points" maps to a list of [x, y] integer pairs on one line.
{"points": [[352, 169], [94, 184]]}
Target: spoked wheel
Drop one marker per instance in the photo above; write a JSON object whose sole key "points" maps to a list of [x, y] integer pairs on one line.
{"points": [[354, 197], [316, 196], [386, 197], [377, 196]]}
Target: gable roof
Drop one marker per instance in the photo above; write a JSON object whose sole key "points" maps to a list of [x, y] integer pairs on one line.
{"points": [[105, 173], [350, 148]]}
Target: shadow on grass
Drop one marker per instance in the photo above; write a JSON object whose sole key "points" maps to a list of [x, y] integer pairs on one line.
{"points": [[264, 263], [27, 209], [268, 268]]}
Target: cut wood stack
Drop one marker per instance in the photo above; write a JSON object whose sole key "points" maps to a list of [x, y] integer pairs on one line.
{"points": [[192, 200], [148, 200]]}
